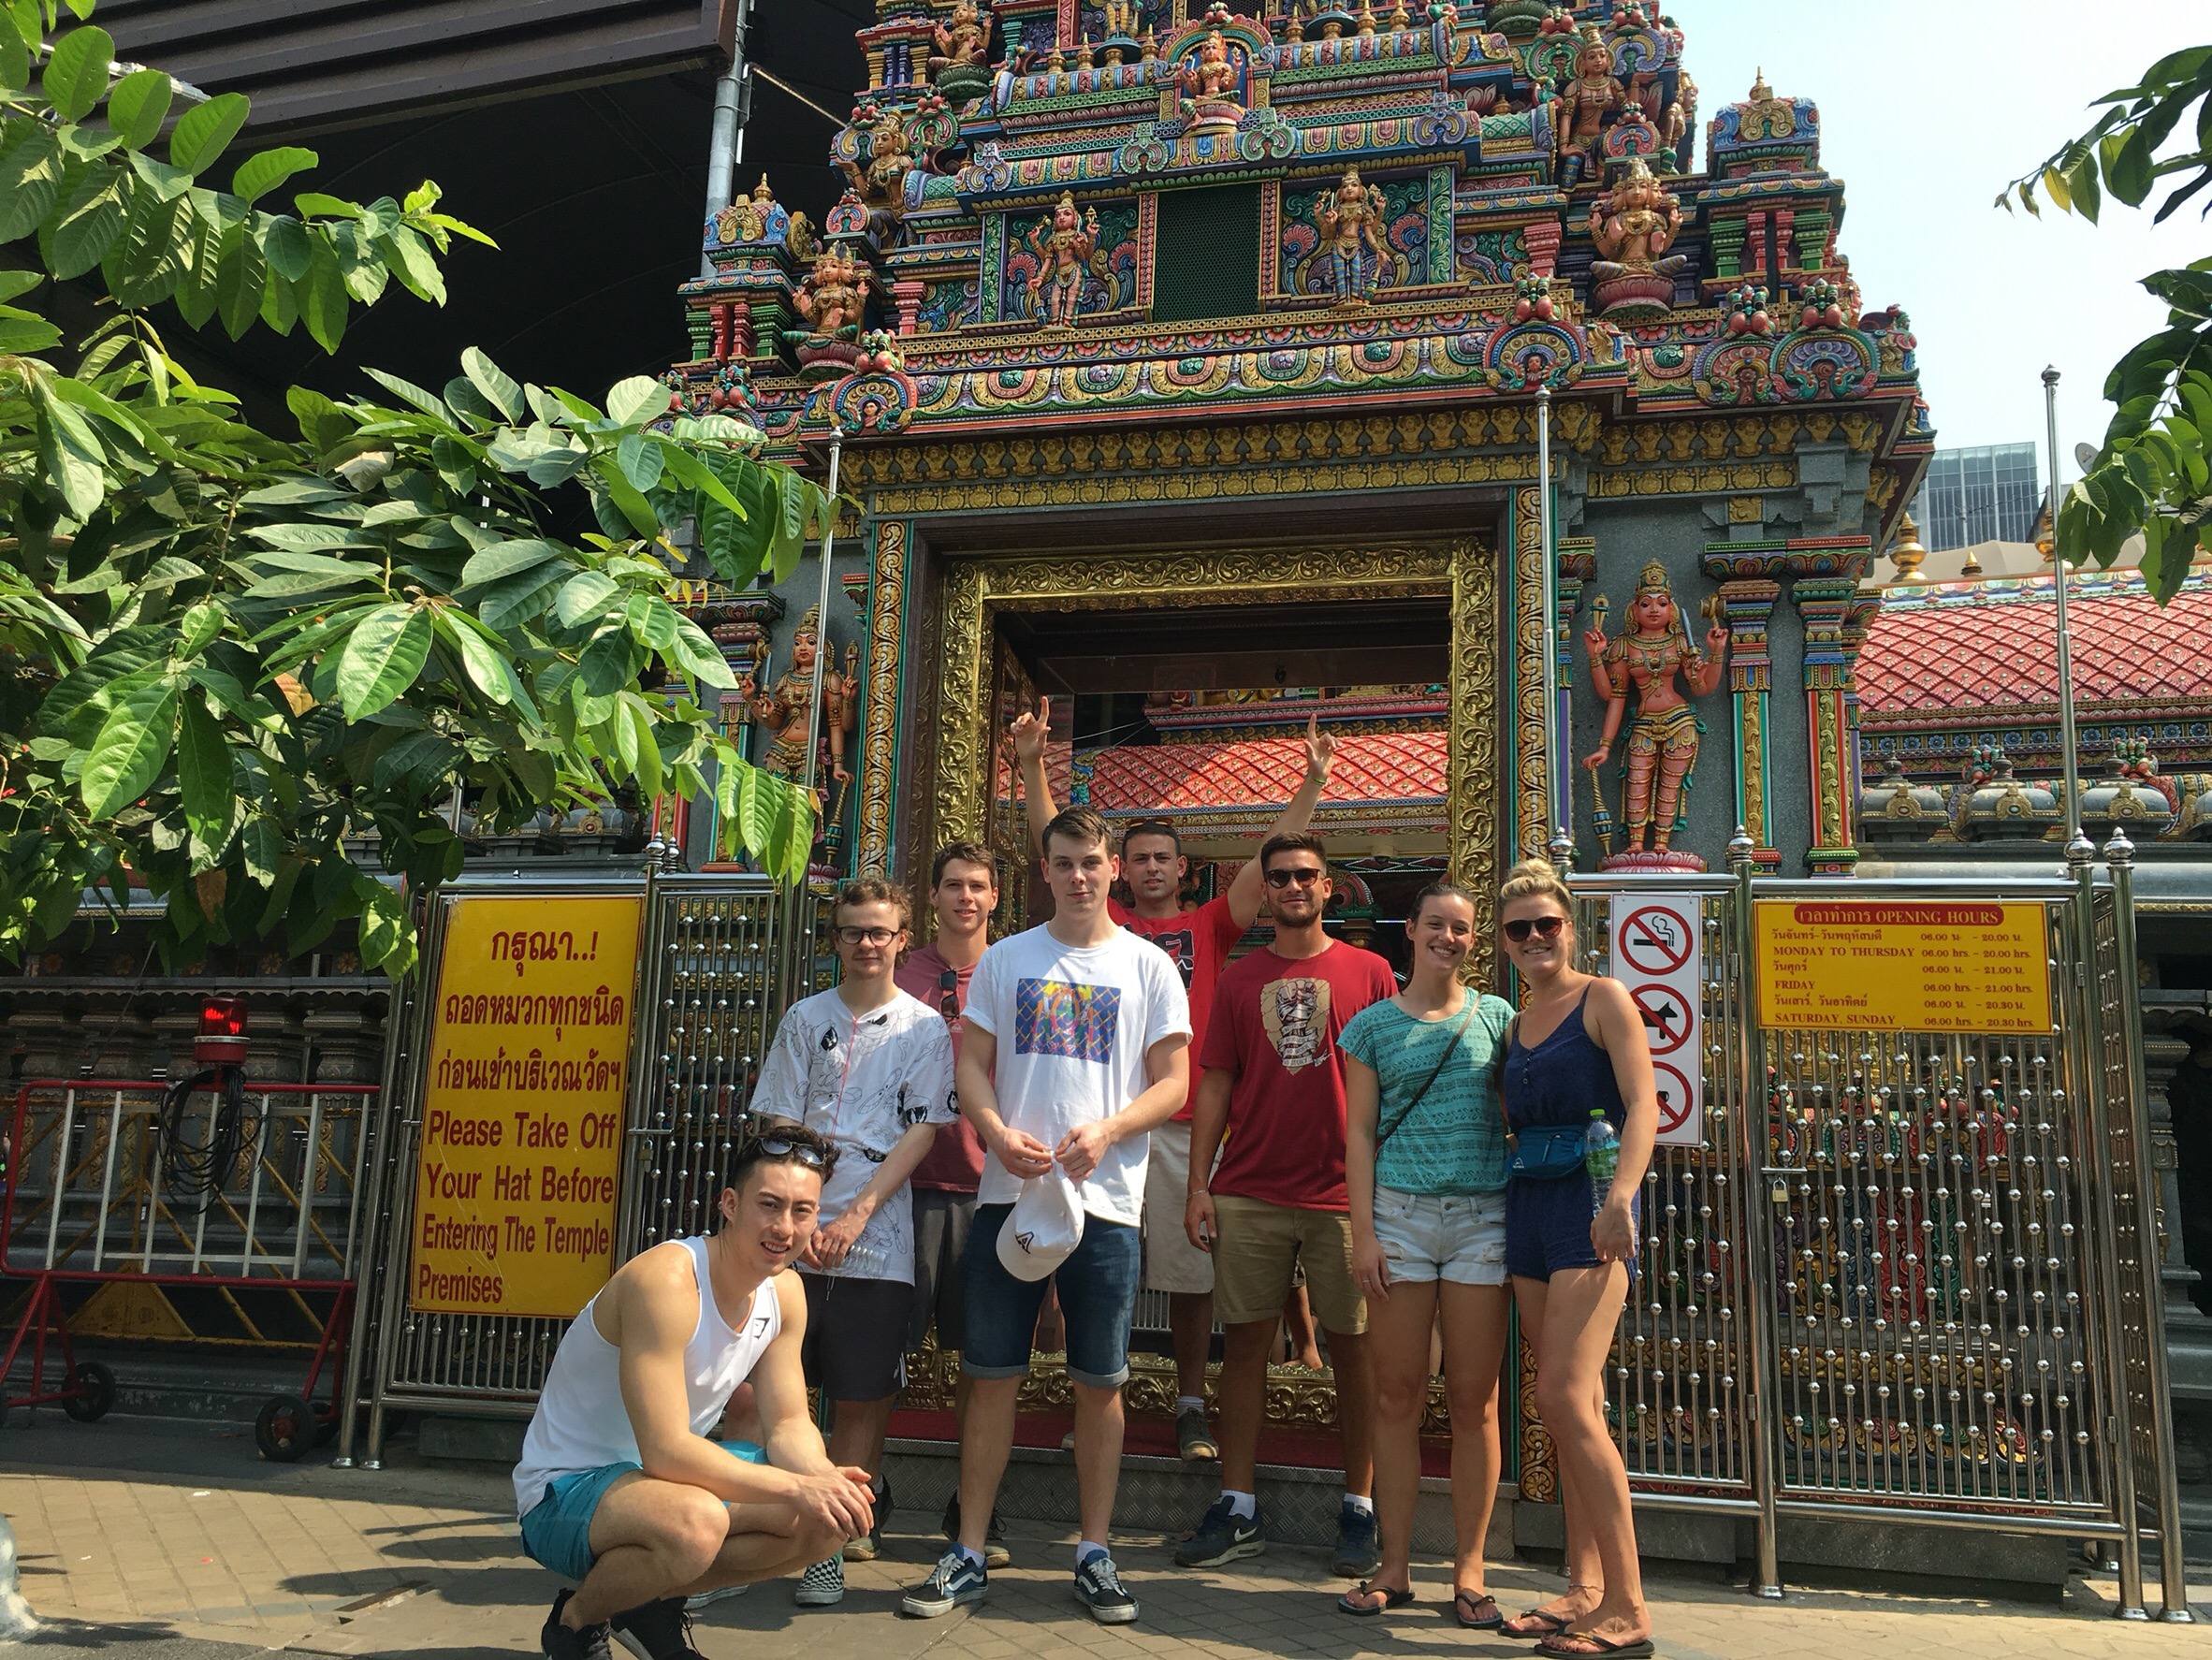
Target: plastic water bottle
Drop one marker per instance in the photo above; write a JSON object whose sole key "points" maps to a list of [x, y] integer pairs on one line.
{"points": [[1601, 1157]]}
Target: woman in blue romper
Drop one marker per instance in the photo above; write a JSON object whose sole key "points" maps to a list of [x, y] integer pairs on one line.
{"points": [[1576, 1050]]}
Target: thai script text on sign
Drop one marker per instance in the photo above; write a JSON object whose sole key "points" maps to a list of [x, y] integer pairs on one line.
{"points": [[515, 1185], [1933, 965]]}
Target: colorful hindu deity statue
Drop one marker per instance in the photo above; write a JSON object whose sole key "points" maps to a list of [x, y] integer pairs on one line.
{"points": [[1634, 224], [1644, 658], [1352, 255], [1211, 79], [780, 712], [1063, 245], [957, 66], [1588, 99], [834, 295]]}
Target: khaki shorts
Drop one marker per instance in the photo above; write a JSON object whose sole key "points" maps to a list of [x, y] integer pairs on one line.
{"points": [[1172, 1263], [1260, 1247]]}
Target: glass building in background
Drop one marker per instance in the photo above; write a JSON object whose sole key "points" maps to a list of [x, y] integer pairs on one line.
{"points": [[1992, 493]]}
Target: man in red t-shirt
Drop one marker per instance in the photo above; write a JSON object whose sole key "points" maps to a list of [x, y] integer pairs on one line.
{"points": [[1273, 1083], [1200, 939], [963, 892]]}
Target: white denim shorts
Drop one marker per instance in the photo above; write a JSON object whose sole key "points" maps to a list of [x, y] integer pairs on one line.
{"points": [[1460, 1237]]}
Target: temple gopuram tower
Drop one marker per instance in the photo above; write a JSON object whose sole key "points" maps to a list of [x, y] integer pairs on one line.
{"points": [[1185, 361]]}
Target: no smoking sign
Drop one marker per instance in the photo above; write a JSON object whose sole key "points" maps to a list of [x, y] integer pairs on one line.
{"points": [[1657, 954]]}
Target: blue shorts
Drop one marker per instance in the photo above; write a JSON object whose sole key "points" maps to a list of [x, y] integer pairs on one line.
{"points": [[557, 1532], [1098, 1287], [1548, 1226]]}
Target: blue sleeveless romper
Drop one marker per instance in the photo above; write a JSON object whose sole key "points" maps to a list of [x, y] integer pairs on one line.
{"points": [[1556, 1083]]}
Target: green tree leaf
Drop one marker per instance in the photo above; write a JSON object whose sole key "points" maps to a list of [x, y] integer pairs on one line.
{"points": [[387, 943], [204, 775], [70, 454], [143, 268], [640, 398], [382, 655], [261, 173], [30, 178], [133, 746], [323, 298], [90, 221], [138, 105], [240, 279], [585, 595], [285, 244], [76, 77], [15, 60], [204, 132], [498, 387], [505, 558]]}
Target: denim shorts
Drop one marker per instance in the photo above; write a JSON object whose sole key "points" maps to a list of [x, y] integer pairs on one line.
{"points": [[1460, 1237], [1097, 1287], [1548, 1226], [557, 1532]]}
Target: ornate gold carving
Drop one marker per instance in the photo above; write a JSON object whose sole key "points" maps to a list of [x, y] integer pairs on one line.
{"points": [[1745, 510], [1751, 761], [878, 742], [1692, 481], [1829, 739], [1528, 668], [1462, 572], [1538, 1480]]}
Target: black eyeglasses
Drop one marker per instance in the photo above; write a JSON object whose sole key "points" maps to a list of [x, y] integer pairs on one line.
{"points": [[1543, 927], [866, 936], [776, 1146], [948, 994], [1303, 876]]}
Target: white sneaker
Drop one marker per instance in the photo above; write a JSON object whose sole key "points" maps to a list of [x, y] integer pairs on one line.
{"points": [[709, 1598], [823, 1585]]}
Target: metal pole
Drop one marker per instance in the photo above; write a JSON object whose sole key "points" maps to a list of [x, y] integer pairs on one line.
{"points": [[1748, 1140], [725, 143], [1557, 793], [2066, 737]]}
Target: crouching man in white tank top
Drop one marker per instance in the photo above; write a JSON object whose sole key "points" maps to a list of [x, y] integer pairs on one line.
{"points": [[619, 1487]]}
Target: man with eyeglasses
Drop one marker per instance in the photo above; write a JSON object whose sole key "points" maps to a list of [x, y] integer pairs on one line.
{"points": [[619, 1487], [963, 892], [1274, 1085], [1198, 941], [1075, 1050], [869, 1069]]}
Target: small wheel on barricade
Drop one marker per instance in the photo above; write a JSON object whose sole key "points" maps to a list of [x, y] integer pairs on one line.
{"points": [[92, 1392], [285, 1429]]}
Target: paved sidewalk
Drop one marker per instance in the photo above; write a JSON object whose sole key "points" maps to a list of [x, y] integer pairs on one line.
{"points": [[155, 1541]]}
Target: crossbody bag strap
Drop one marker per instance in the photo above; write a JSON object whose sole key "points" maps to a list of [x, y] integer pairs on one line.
{"points": [[1436, 1071]]}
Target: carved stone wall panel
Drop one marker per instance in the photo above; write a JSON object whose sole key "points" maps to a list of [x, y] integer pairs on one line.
{"points": [[878, 740]]}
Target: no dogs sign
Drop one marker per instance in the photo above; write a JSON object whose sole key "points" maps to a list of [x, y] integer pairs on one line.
{"points": [[1657, 953]]}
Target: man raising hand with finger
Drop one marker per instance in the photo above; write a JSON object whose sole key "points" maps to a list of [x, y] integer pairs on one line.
{"points": [[1198, 941]]}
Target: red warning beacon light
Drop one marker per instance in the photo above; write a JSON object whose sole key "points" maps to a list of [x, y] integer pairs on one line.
{"points": [[221, 1040]]}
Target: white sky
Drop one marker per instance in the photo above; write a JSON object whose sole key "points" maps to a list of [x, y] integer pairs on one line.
{"points": [[1926, 108]]}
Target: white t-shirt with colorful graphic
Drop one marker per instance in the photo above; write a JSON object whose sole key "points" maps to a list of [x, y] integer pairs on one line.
{"points": [[1074, 1025], [862, 1084]]}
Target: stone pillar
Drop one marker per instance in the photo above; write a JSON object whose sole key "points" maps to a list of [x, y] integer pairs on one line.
{"points": [[347, 1042], [48, 1040], [118, 1041], [907, 293], [1541, 237], [1749, 602], [276, 1053], [1827, 605]]}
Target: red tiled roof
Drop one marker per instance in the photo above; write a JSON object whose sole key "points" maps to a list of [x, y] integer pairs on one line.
{"points": [[1934, 653], [1192, 778]]}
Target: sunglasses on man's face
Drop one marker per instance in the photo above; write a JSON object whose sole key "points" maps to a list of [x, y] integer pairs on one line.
{"points": [[948, 994], [1303, 876], [776, 1146], [1543, 927]]}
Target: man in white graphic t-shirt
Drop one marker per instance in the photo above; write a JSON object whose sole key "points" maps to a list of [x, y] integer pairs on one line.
{"points": [[1076, 1047], [869, 1069]]}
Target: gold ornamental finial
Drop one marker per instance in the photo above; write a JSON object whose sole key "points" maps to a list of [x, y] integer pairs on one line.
{"points": [[2045, 544], [1908, 555], [1654, 580], [1761, 93]]}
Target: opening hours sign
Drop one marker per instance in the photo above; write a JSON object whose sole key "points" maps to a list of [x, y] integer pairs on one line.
{"points": [[1934, 966], [520, 1154]]}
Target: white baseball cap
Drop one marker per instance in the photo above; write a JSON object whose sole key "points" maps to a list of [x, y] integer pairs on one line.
{"points": [[1045, 1227]]}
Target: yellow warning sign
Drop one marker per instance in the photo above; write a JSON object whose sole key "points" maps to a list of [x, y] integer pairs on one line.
{"points": [[515, 1185], [1921, 966]]}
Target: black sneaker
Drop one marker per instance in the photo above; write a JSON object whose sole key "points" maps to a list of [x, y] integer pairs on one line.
{"points": [[657, 1631], [996, 1553], [870, 1544], [558, 1642], [1359, 1543], [953, 1581], [1098, 1588], [1222, 1537]]}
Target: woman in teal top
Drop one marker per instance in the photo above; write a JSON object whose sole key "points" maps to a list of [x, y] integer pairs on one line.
{"points": [[1425, 1171]]}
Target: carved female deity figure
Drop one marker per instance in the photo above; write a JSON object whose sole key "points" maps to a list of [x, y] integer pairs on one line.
{"points": [[1213, 79], [1644, 658], [1635, 223], [962, 42], [1063, 246], [1584, 103], [780, 712], [1352, 250]]}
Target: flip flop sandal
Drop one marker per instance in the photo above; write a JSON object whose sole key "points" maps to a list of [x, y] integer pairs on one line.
{"points": [[1464, 1602], [1551, 1625], [1392, 1599], [1629, 1649]]}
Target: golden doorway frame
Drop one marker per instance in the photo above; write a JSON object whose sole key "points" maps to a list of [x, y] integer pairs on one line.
{"points": [[1461, 571]]}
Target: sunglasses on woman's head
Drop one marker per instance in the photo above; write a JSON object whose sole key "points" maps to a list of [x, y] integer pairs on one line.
{"points": [[1543, 927], [776, 1146]]}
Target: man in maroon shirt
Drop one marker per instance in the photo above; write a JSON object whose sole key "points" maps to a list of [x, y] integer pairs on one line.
{"points": [[963, 892], [1200, 939], [1274, 1085]]}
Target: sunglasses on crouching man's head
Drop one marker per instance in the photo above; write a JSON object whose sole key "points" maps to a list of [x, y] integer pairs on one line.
{"points": [[1543, 927], [776, 1146]]}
